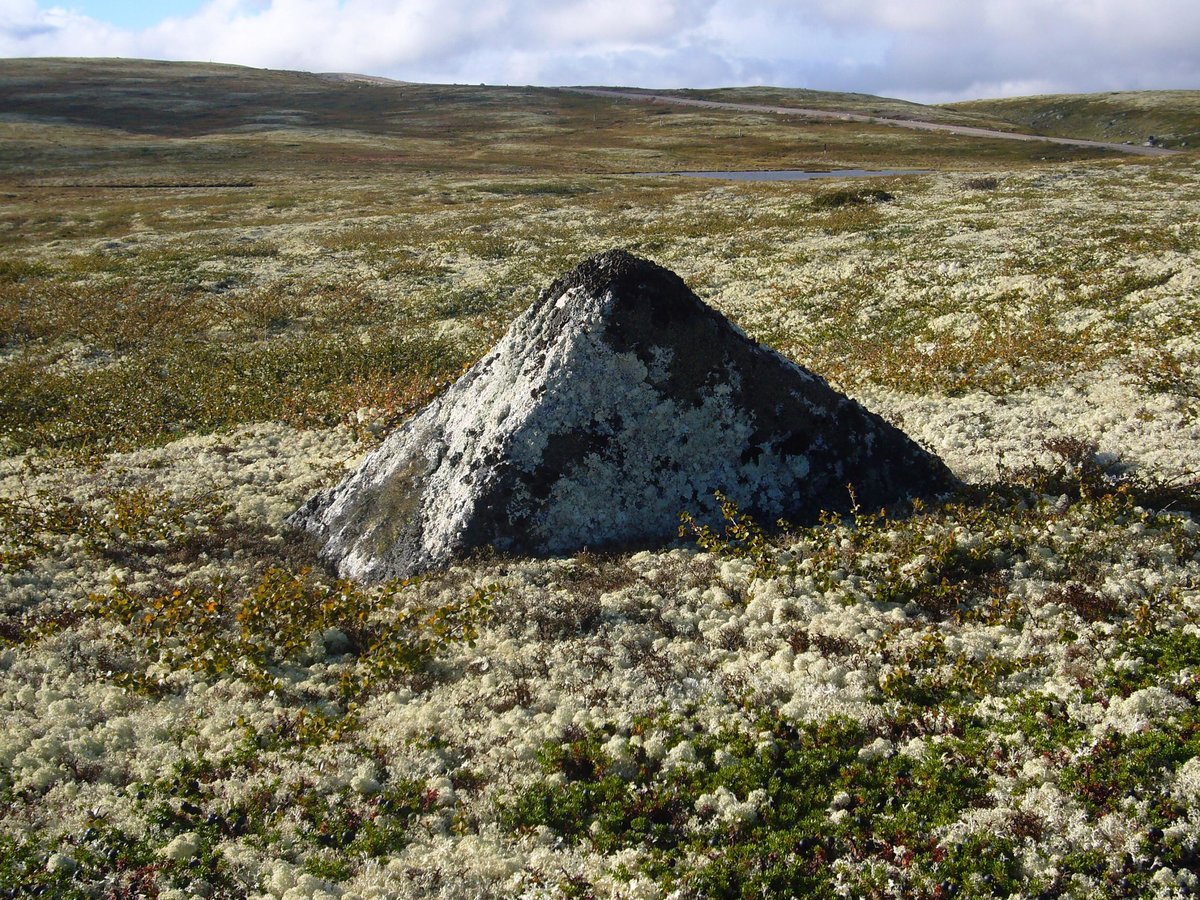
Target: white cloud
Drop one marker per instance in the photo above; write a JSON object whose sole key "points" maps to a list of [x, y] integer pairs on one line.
{"points": [[27, 29], [992, 47], [591, 22], [925, 49]]}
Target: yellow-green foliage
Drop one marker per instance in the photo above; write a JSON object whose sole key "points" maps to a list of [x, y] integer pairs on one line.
{"points": [[287, 618], [742, 537], [113, 520]]}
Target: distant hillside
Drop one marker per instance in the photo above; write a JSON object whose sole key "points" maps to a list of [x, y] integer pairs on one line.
{"points": [[865, 104], [190, 98], [184, 99], [101, 120], [1171, 117]]}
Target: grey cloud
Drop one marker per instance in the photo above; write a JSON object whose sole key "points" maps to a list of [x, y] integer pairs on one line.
{"points": [[922, 49], [993, 46], [24, 33]]}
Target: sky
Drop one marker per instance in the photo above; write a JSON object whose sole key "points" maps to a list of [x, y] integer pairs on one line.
{"points": [[924, 50]]}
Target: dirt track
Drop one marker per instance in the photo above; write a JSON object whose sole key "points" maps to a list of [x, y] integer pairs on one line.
{"points": [[835, 115]]}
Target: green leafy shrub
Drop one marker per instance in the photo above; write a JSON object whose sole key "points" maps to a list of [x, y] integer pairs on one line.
{"points": [[956, 559], [1166, 654], [105, 861], [285, 619], [115, 522], [742, 537], [1120, 768], [379, 827], [922, 557], [1079, 471]]}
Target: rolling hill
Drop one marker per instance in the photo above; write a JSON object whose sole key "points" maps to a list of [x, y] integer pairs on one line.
{"points": [[1172, 118]]}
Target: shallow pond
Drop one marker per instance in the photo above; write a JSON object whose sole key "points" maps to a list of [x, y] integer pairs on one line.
{"points": [[791, 174]]}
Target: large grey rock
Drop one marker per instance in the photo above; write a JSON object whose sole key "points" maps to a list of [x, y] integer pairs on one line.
{"points": [[613, 403]]}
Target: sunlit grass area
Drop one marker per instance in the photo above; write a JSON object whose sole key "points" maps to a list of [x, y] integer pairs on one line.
{"points": [[202, 323], [225, 306], [1172, 118]]}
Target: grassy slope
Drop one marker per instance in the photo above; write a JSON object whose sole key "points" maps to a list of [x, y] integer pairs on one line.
{"points": [[1171, 116], [866, 104], [947, 703]]}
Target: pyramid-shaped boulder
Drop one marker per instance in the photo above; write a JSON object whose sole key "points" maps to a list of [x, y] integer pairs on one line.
{"points": [[612, 404]]}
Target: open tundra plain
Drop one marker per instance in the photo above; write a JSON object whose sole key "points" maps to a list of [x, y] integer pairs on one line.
{"points": [[219, 288]]}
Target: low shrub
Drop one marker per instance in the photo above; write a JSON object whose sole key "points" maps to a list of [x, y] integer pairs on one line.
{"points": [[287, 618], [116, 522], [851, 197]]}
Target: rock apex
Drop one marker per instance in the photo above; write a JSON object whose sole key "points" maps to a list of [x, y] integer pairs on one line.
{"points": [[597, 272]]}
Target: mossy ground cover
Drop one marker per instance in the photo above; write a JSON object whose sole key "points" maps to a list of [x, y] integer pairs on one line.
{"points": [[199, 327]]}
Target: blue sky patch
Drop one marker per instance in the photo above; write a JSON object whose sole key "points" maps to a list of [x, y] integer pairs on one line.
{"points": [[133, 14]]}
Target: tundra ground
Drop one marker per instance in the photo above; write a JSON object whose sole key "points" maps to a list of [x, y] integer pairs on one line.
{"points": [[996, 695]]}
